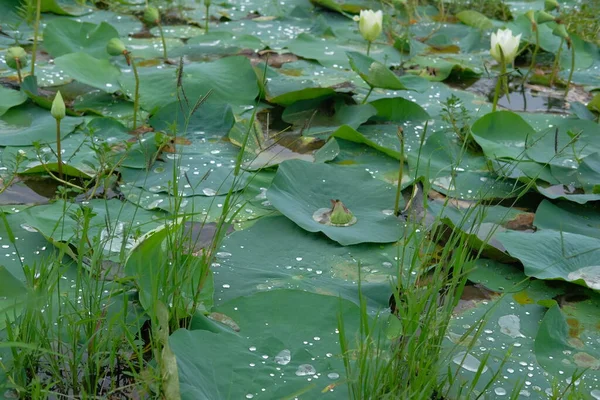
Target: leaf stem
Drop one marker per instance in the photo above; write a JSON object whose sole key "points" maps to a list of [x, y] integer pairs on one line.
{"points": [[136, 97], [19, 71], [367, 96], [499, 83], [58, 149], [36, 27], [572, 69], [556, 59], [534, 55], [368, 47], [400, 173], [162, 39], [207, 16]]}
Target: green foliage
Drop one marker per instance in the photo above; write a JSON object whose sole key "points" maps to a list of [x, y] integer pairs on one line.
{"points": [[278, 190]]}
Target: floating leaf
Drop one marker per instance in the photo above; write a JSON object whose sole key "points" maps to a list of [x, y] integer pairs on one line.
{"points": [[301, 189], [86, 69], [278, 359], [374, 73], [475, 19], [64, 36], [548, 254]]}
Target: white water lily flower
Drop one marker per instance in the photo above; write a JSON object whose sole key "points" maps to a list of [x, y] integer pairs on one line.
{"points": [[370, 24], [509, 43]]}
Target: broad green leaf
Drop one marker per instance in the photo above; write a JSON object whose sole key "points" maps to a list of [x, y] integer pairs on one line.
{"points": [[480, 225], [208, 120], [398, 110], [280, 359], [21, 126], [262, 151], [301, 189], [330, 114], [64, 36], [63, 8], [84, 68], [10, 98], [475, 19], [13, 295], [232, 80], [549, 254], [440, 68], [292, 96], [29, 86], [332, 52], [503, 134], [566, 142], [564, 344], [194, 169], [588, 173], [504, 335], [568, 217], [374, 73], [249, 263]]}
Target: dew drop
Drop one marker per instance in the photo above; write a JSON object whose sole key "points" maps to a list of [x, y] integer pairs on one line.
{"points": [[510, 325], [284, 357], [305, 369], [469, 363]]}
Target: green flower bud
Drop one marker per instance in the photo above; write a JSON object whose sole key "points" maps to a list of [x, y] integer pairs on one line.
{"points": [[561, 31], [16, 57], [207, 3], [151, 15], [530, 16], [58, 109], [115, 47], [551, 5], [543, 17], [340, 215]]}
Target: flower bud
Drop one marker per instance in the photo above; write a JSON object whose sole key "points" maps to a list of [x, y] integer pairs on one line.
{"points": [[504, 39], [115, 47], [340, 215], [207, 3], [58, 109], [551, 5], [151, 15], [561, 31], [16, 57], [370, 24], [543, 17], [530, 16]]}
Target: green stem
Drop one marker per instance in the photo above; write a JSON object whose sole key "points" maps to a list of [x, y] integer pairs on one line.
{"points": [[19, 71], [136, 97], [367, 96], [499, 84], [533, 56], [400, 173], [206, 23], [368, 47], [162, 38], [36, 27], [572, 69], [58, 149], [556, 59]]}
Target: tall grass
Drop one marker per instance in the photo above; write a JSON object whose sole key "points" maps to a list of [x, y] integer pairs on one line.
{"points": [[93, 325]]}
